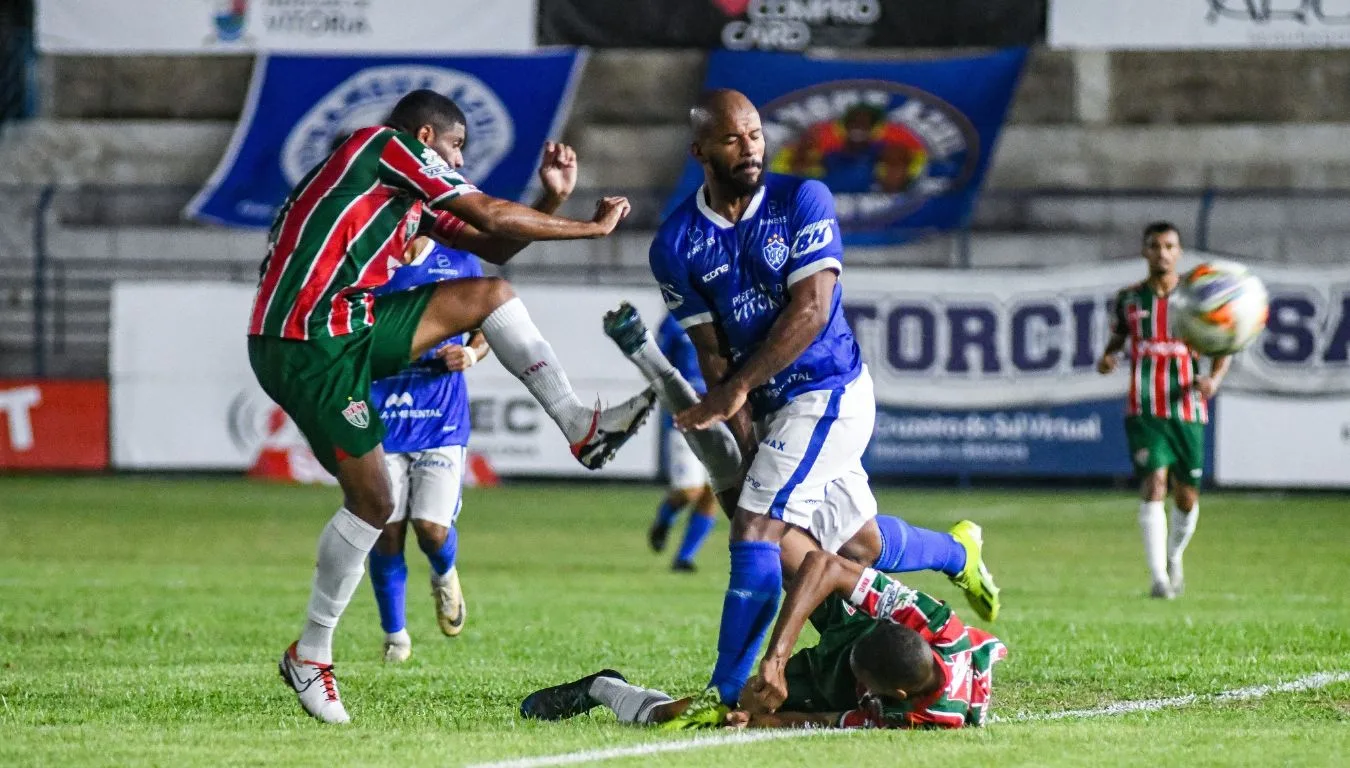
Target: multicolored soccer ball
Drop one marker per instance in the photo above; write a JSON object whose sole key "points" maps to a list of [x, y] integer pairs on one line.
{"points": [[1219, 308]]}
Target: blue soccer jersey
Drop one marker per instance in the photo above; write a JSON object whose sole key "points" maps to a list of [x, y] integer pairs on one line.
{"points": [[424, 406], [738, 276]]}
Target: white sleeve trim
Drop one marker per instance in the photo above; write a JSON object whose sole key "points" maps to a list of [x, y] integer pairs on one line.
{"points": [[693, 320], [801, 273]]}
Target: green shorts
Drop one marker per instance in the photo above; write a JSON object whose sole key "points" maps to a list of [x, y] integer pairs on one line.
{"points": [[323, 384], [1172, 444]]}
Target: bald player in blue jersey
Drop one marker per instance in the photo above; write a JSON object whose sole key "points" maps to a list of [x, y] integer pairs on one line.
{"points": [[749, 266], [425, 409]]}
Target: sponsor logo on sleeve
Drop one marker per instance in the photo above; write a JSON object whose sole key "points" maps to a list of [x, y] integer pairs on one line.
{"points": [[671, 296], [813, 237]]}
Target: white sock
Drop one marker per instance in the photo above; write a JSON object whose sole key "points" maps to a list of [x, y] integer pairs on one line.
{"points": [[524, 352], [629, 703], [400, 637], [715, 448], [1153, 523], [343, 547], [1182, 529]]}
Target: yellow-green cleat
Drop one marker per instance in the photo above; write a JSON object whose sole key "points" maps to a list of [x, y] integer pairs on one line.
{"points": [[974, 579], [705, 711]]}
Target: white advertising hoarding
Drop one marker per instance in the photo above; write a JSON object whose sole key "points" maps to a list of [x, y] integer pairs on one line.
{"points": [[1198, 24], [1278, 442], [184, 397], [243, 26]]}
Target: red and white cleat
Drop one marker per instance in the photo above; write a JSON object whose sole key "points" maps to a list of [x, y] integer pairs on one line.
{"points": [[315, 685], [611, 427]]}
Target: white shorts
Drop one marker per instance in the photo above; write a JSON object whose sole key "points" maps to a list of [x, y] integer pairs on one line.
{"points": [[428, 485], [808, 469], [684, 468]]}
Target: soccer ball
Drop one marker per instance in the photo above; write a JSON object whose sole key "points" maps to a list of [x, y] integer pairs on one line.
{"points": [[1219, 308]]}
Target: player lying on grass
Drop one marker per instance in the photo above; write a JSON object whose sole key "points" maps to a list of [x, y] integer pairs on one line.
{"points": [[318, 336], [888, 657]]}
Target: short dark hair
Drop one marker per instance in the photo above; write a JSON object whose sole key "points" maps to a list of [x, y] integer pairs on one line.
{"points": [[895, 655], [1159, 227], [425, 107]]}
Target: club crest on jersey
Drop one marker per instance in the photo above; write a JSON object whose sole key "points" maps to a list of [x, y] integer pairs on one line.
{"points": [[775, 251], [357, 414], [365, 99], [915, 146]]}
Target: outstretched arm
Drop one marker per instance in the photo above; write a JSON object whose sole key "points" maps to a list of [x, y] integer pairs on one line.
{"points": [[558, 174], [807, 311]]}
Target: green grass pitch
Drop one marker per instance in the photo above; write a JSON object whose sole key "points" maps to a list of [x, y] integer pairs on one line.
{"points": [[141, 620]]}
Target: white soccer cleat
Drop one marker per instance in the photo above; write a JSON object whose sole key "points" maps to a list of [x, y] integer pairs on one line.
{"points": [[1162, 590], [397, 649], [611, 427], [315, 685], [450, 606], [1176, 578]]}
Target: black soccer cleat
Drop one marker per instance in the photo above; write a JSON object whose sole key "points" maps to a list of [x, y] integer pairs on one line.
{"points": [[656, 536], [563, 701], [683, 566]]}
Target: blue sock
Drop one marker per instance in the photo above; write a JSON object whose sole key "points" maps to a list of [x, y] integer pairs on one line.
{"points": [[747, 609], [666, 514], [443, 559], [389, 577], [906, 548], [694, 533]]}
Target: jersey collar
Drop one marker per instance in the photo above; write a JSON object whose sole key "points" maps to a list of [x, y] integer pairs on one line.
{"points": [[718, 219]]}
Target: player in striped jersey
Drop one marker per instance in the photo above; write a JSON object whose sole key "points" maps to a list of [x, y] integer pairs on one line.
{"points": [[318, 336], [1165, 410], [888, 657]]}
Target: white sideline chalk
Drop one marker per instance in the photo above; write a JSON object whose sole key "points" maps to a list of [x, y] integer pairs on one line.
{"points": [[1307, 683]]}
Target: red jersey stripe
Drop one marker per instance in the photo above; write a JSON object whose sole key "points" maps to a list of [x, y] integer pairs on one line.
{"points": [[1160, 367], [295, 219], [361, 211]]}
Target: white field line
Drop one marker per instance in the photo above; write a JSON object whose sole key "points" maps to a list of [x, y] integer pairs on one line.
{"points": [[1308, 683]]}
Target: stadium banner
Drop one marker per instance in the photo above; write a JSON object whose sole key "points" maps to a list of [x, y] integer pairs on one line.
{"points": [[773, 25], [298, 106], [1282, 442], [1198, 24], [52, 424], [184, 396], [994, 371], [195, 27], [902, 144]]}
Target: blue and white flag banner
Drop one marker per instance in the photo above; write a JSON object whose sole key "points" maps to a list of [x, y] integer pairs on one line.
{"points": [[902, 144], [994, 371], [298, 105]]}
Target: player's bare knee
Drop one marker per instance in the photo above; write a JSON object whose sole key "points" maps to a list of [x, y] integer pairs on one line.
{"points": [[753, 526], [391, 539], [865, 546], [681, 497], [430, 536], [497, 292], [1186, 497], [1154, 486]]}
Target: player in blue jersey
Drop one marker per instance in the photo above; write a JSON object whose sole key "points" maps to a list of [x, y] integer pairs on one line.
{"points": [[687, 477], [425, 409], [749, 266]]}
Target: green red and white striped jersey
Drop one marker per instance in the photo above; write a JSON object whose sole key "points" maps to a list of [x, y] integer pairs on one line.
{"points": [[965, 656], [1162, 366], [343, 231]]}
